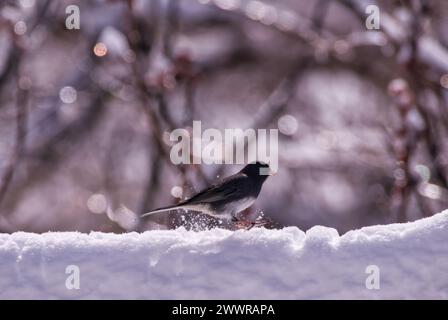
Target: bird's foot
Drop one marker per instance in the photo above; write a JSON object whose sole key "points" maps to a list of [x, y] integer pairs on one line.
{"points": [[247, 225], [243, 225]]}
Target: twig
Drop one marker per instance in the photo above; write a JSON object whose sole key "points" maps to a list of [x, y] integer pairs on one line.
{"points": [[19, 144]]}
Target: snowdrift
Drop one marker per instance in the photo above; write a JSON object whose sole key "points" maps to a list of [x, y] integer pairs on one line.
{"points": [[412, 260]]}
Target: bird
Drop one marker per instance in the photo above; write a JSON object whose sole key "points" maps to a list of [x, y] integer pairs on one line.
{"points": [[224, 200]]}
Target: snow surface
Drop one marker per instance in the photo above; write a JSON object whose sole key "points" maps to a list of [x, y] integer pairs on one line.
{"points": [[256, 264]]}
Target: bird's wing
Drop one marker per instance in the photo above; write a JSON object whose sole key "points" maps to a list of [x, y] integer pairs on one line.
{"points": [[227, 189]]}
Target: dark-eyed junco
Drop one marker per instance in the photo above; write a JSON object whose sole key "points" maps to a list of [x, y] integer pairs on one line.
{"points": [[227, 198]]}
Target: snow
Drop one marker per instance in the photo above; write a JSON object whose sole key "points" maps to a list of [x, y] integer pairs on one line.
{"points": [[219, 264]]}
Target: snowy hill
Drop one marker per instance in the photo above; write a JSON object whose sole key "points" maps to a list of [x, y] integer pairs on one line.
{"points": [[412, 260]]}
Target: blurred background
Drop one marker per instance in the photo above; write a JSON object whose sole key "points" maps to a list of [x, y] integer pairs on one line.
{"points": [[85, 114]]}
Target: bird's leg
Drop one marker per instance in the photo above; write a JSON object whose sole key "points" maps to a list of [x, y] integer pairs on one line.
{"points": [[247, 225], [262, 222], [241, 224], [251, 225]]}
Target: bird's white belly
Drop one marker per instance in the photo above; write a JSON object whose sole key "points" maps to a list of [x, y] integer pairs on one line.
{"points": [[227, 212], [240, 205]]}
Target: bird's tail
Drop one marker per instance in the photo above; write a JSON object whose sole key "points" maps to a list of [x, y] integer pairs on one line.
{"points": [[163, 209]]}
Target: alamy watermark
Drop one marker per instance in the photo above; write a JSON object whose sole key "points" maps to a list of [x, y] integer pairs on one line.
{"points": [[373, 18], [73, 20], [373, 278], [73, 281], [230, 146]]}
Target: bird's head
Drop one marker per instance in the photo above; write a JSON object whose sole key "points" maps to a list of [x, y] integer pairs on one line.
{"points": [[257, 169]]}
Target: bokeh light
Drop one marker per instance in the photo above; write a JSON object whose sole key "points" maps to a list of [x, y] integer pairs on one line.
{"points": [[97, 203], [27, 3], [20, 28], [177, 192], [431, 191], [287, 124], [228, 4], [68, 94], [100, 49]]}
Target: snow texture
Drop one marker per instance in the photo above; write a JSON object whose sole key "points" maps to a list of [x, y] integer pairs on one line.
{"points": [[220, 264]]}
